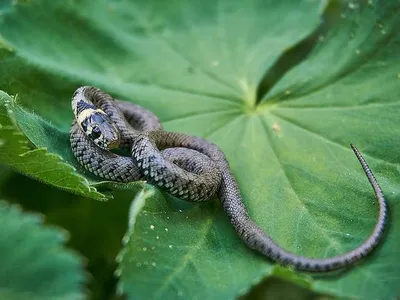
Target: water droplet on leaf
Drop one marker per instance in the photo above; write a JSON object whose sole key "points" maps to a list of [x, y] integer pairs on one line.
{"points": [[353, 5]]}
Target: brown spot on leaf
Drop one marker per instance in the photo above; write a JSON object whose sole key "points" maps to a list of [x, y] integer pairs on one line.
{"points": [[276, 128]]}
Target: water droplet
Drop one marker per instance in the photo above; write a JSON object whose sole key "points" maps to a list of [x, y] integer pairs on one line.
{"points": [[347, 234], [152, 227], [167, 218], [321, 38], [353, 5], [180, 294], [157, 237], [166, 229], [170, 246], [144, 249], [153, 248], [358, 51], [370, 3], [287, 92], [187, 217], [153, 264], [383, 31], [146, 262], [117, 272], [138, 264], [180, 210], [343, 15]]}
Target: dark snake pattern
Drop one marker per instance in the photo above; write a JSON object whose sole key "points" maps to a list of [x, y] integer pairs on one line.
{"points": [[192, 169]]}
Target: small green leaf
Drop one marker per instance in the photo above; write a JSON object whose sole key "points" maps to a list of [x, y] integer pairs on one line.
{"points": [[33, 263], [38, 163]]}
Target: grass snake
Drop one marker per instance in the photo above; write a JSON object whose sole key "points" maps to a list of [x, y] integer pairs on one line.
{"points": [[185, 166]]}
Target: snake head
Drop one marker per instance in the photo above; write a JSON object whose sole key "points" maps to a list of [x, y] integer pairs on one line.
{"points": [[98, 126]]}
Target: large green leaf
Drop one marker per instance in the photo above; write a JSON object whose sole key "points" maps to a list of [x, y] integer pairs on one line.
{"points": [[192, 242], [33, 263], [197, 65]]}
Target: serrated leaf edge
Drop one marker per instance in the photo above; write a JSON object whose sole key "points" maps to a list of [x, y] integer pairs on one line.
{"points": [[9, 105]]}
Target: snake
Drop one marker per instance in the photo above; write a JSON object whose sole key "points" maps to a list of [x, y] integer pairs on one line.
{"points": [[122, 141]]}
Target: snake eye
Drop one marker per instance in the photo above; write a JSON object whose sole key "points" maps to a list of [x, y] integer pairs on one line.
{"points": [[96, 132]]}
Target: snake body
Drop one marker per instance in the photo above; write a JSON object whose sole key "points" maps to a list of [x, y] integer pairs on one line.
{"points": [[187, 167]]}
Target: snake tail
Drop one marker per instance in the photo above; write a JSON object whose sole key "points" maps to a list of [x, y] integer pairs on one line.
{"points": [[255, 238], [252, 235]]}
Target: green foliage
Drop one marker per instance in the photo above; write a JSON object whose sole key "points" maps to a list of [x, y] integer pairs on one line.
{"points": [[207, 69], [37, 163], [33, 263]]}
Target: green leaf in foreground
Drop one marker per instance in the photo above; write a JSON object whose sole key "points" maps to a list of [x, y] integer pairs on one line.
{"points": [[38, 163], [165, 243], [33, 263], [197, 66]]}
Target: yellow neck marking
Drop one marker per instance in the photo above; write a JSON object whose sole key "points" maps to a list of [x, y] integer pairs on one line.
{"points": [[85, 114]]}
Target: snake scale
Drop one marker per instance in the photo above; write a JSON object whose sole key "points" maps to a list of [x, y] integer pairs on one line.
{"points": [[187, 167]]}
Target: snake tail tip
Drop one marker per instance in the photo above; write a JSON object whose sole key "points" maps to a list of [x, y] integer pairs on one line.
{"points": [[354, 148]]}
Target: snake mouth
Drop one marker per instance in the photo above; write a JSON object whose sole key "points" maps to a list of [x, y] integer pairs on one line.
{"points": [[113, 145]]}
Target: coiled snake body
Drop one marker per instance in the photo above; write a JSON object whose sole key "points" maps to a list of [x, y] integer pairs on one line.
{"points": [[187, 167]]}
